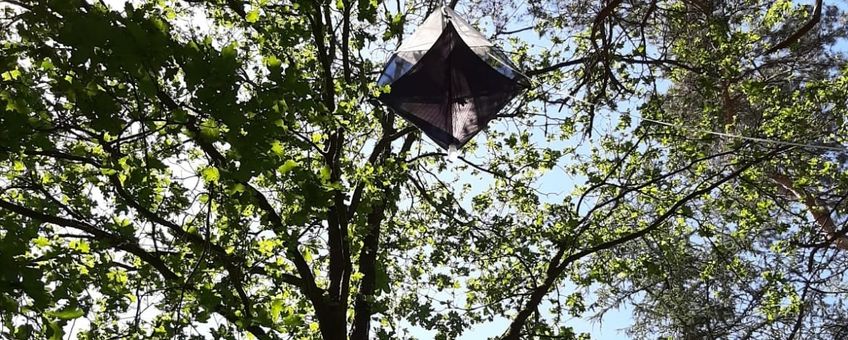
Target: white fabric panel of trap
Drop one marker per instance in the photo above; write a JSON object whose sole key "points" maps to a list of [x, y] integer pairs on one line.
{"points": [[424, 37]]}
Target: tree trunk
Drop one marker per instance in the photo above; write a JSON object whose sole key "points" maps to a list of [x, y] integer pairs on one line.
{"points": [[332, 321], [367, 265]]}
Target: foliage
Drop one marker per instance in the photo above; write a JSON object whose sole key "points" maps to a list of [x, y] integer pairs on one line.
{"points": [[185, 169]]}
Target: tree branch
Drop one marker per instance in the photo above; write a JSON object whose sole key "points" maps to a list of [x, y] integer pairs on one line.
{"points": [[556, 268], [801, 31], [816, 207], [556, 66], [113, 240]]}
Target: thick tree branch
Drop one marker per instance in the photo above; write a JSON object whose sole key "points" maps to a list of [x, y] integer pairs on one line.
{"points": [[363, 308], [816, 207], [603, 14], [556, 66], [801, 31], [383, 144], [367, 266], [113, 240], [659, 62], [345, 40], [514, 31]]}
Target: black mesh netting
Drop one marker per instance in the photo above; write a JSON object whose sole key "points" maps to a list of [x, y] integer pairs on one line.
{"points": [[451, 93]]}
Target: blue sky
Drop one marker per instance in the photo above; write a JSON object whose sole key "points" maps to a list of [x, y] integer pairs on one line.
{"points": [[612, 324], [555, 182]]}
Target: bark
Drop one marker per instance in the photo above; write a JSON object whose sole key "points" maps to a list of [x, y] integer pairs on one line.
{"points": [[816, 207], [367, 265], [363, 306]]}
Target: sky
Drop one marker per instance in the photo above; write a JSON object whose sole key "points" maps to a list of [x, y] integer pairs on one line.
{"points": [[612, 325], [555, 182], [608, 327]]}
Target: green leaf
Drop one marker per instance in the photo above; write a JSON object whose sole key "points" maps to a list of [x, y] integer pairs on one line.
{"points": [[170, 14], [381, 280], [11, 75], [54, 331], [252, 16], [325, 174], [79, 245], [287, 166], [273, 62], [293, 320], [276, 309], [277, 148], [210, 174], [41, 242], [69, 313], [47, 64], [236, 188], [209, 130]]}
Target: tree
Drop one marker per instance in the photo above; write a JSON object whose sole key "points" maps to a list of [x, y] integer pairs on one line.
{"points": [[192, 168], [762, 258]]}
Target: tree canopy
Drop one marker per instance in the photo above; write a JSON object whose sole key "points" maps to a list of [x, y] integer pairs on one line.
{"points": [[219, 168]]}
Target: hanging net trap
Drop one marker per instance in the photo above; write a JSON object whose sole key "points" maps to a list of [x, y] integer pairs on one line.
{"points": [[449, 80]]}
